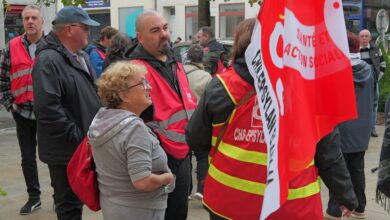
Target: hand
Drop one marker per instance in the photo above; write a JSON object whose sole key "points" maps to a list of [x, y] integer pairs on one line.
{"points": [[346, 212], [9, 108], [171, 178], [171, 185]]}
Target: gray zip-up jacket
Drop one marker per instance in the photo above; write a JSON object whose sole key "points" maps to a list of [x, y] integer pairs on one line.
{"points": [[126, 150]]}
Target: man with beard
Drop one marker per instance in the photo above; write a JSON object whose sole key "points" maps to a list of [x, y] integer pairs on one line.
{"points": [[173, 102], [65, 100], [17, 96]]}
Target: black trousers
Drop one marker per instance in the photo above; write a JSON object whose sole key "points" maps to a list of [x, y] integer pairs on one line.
{"points": [[26, 130], [355, 165], [68, 205], [201, 169], [177, 208], [202, 165]]}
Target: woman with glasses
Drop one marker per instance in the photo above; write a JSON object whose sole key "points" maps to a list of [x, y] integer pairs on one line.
{"points": [[133, 175]]}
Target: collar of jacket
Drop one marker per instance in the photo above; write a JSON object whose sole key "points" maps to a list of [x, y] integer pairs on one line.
{"points": [[241, 68], [209, 41], [51, 41], [197, 65], [139, 52], [99, 46]]}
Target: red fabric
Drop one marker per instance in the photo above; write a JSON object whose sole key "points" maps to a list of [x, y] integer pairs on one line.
{"points": [[308, 77], [20, 60], [101, 53], [166, 103], [82, 176], [220, 67]]}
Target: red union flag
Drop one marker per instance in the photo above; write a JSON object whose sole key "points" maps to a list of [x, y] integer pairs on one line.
{"points": [[299, 59]]}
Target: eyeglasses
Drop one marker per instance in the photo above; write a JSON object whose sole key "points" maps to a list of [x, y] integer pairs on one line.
{"points": [[144, 82], [84, 27]]}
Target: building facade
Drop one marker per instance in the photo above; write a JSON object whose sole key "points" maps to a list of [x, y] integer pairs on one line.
{"points": [[182, 15], [361, 14], [13, 24]]}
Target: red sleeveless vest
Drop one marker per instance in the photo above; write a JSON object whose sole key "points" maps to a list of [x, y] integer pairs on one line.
{"points": [[20, 73], [171, 112]]}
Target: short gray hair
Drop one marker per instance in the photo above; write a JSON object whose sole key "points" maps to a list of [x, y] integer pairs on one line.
{"points": [[58, 28], [32, 7], [195, 53], [145, 13]]}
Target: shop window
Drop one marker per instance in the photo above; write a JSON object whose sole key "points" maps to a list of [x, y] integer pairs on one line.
{"points": [[13, 22], [127, 18], [371, 9], [191, 17], [229, 17], [103, 19]]}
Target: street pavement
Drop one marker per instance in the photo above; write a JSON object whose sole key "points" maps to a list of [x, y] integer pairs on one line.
{"points": [[11, 179]]}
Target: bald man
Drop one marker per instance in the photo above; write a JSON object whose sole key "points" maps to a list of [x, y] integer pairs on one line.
{"points": [[173, 103], [373, 56]]}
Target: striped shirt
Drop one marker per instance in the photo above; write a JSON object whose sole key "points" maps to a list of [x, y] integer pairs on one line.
{"points": [[365, 55]]}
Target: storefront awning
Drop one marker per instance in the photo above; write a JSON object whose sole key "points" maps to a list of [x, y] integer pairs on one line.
{"points": [[15, 9]]}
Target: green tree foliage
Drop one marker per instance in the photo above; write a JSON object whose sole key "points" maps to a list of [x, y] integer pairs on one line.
{"points": [[2, 192], [384, 83]]}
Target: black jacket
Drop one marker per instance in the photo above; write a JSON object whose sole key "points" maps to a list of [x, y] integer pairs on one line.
{"points": [[216, 106], [216, 51], [65, 100], [374, 57]]}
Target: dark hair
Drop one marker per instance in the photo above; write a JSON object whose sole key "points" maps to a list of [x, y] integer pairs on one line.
{"points": [[242, 37], [207, 30], [107, 32], [195, 53], [119, 43], [353, 42]]}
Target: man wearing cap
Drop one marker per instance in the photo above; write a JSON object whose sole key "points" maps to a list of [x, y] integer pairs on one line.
{"points": [[17, 96], [65, 100]]}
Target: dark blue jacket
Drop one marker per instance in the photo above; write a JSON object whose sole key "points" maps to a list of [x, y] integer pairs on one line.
{"points": [[95, 58], [355, 134]]}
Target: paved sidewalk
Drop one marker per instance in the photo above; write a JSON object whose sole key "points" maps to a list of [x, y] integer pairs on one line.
{"points": [[12, 181]]}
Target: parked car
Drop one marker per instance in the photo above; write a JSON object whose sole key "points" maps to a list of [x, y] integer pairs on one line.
{"points": [[180, 49]]}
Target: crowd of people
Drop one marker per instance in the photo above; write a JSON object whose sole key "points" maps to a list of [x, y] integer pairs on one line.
{"points": [[145, 114]]}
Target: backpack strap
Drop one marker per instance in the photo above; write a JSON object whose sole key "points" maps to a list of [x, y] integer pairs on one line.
{"points": [[221, 133]]}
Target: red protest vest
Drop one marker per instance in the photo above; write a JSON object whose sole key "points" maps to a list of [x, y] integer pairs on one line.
{"points": [[236, 179], [20, 73], [171, 112], [101, 53]]}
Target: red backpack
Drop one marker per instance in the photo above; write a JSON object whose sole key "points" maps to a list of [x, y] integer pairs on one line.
{"points": [[82, 176]]}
